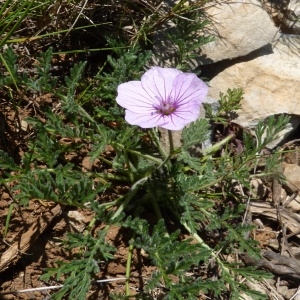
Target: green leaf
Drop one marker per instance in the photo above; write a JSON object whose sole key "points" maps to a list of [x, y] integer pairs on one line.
{"points": [[196, 133], [231, 100], [7, 163], [78, 272], [193, 162], [9, 60], [268, 130], [61, 185], [172, 258], [44, 81]]}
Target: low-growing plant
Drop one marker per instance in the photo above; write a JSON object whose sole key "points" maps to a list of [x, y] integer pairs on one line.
{"points": [[196, 230], [180, 188]]}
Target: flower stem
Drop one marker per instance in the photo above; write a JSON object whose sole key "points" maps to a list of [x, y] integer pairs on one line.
{"points": [[157, 143], [168, 157], [171, 142], [120, 146], [128, 268], [156, 209]]}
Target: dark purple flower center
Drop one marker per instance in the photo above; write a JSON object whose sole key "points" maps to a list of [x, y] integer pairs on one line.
{"points": [[165, 108]]}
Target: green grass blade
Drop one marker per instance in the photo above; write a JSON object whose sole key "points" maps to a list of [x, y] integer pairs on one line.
{"points": [[38, 37], [8, 217], [17, 24]]}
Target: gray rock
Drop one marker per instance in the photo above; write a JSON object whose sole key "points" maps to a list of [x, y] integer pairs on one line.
{"points": [[239, 27]]}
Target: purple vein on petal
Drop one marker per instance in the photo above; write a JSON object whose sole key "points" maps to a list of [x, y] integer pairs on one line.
{"points": [[183, 97], [139, 102], [146, 118], [152, 99]]}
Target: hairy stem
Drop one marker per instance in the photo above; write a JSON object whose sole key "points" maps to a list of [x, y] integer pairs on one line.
{"points": [[130, 195], [157, 143], [128, 268]]}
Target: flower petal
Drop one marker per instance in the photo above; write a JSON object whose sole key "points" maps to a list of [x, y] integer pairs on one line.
{"points": [[158, 82], [187, 87], [178, 120], [144, 120], [132, 96], [173, 124]]}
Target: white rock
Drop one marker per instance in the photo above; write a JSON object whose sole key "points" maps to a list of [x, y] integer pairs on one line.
{"points": [[292, 175], [258, 188], [239, 27], [76, 220], [271, 82], [283, 195], [294, 205]]}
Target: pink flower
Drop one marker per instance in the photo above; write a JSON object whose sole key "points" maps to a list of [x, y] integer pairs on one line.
{"points": [[164, 97]]}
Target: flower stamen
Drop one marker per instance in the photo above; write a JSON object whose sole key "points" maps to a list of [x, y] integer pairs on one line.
{"points": [[165, 108]]}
